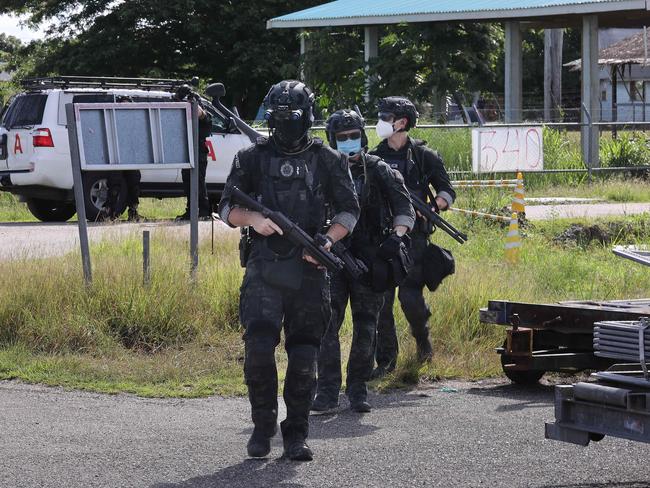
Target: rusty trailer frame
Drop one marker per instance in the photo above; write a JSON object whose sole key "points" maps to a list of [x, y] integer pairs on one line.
{"points": [[555, 336]]}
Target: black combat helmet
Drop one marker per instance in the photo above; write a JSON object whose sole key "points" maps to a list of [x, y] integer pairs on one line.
{"points": [[343, 120], [400, 107], [289, 112]]}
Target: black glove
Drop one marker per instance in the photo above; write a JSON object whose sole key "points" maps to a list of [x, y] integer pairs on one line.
{"points": [[390, 248]]}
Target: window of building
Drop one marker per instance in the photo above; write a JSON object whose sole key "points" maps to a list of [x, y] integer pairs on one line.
{"points": [[636, 91]]}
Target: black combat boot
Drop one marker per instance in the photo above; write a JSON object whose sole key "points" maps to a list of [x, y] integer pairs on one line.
{"points": [[425, 351], [358, 396], [323, 403], [133, 215], [259, 445], [296, 449], [382, 370]]}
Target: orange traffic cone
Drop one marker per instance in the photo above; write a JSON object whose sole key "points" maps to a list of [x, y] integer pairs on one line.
{"points": [[513, 240], [518, 199]]}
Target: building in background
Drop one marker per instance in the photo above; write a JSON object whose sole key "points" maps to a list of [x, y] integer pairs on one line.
{"points": [[624, 75]]}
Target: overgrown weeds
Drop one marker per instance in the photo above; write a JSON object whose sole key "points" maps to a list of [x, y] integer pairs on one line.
{"points": [[176, 339]]}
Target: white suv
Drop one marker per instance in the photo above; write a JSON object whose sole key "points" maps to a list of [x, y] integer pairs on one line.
{"points": [[35, 155]]}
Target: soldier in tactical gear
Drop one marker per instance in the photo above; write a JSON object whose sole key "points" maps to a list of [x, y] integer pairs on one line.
{"points": [[420, 167], [386, 215], [299, 176]]}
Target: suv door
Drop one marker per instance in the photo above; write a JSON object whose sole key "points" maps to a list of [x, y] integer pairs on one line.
{"points": [[224, 142], [23, 115]]}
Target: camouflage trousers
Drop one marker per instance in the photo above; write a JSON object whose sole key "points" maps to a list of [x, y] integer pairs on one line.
{"points": [[413, 305], [264, 311], [365, 305]]}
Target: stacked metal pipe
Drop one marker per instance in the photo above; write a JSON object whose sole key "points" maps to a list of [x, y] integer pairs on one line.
{"points": [[624, 340]]}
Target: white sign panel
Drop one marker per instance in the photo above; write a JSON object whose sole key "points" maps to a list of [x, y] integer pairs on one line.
{"points": [[507, 149], [128, 136]]}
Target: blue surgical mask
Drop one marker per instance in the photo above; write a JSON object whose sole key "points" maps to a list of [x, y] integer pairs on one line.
{"points": [[349, 147]]}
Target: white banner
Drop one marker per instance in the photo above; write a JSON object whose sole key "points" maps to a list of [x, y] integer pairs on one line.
{"points": [[507, 149]]}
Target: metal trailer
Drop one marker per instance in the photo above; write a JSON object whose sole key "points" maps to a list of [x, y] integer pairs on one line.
{"points": [[554, 336], [617, 405], [559, 336]]}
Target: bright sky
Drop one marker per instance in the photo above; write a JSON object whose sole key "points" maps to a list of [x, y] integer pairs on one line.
{"points": [[9, 25]]}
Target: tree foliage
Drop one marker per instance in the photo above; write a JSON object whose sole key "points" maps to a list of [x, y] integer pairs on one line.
{"points": [[221, 41], [420, 61], [228, 41]]}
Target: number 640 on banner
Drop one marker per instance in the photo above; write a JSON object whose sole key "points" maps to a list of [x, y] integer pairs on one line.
{"points": [[507, 149]]}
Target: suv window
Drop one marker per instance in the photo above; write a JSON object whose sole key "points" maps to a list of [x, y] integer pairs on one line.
{"points": [[219, 123], [24, 111]]}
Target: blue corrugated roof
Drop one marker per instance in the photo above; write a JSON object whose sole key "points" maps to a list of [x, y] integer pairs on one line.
{"points": [[365, 9]]}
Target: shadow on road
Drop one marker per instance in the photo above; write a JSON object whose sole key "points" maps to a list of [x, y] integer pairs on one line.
{"points": [[611, 484], [251, 473], [535, 396], [341, 424]]}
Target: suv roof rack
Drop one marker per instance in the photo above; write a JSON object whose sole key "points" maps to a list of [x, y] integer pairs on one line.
{"points": [[101, 82]]}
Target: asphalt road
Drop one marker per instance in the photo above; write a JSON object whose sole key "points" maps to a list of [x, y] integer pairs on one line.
{"points": [[26, 240], [589, 210], [485, 434]]}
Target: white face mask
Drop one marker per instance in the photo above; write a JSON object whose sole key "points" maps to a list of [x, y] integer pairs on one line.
{"points": [[384, 129]]}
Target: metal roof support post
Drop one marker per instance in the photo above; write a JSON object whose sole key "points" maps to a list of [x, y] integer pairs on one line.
{"points": [[590, 91], [304, 47], [514, 75], [370, 51], [553, 39]]}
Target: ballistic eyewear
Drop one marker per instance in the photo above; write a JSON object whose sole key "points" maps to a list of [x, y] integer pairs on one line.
{"points": [[344, 137]]}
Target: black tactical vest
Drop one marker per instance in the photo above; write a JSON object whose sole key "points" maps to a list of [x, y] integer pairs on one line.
{"points": [[290, 184], [375, 219]]}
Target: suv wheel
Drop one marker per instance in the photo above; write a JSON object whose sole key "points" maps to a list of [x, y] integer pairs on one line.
{"points": [[96, 191], [50, 211]]}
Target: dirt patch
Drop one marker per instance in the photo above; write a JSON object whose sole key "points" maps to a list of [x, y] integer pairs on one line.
{"points": [[605, 234], [583, 235]]}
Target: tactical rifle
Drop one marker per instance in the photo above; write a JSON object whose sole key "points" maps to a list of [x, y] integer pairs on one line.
{"points": [[427, 212], [291, 231], [356, 268]]}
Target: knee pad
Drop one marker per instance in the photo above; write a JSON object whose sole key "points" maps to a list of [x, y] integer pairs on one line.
{"points": [[302, 360], [259, 362]]}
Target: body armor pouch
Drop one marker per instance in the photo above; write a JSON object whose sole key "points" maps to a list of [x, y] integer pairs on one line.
{"points": [[438, 264], [282, 270], [391, 264]]}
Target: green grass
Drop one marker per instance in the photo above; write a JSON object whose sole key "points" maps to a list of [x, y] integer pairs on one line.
{"points": [[176, 339], [547, 272], [12, 210]]}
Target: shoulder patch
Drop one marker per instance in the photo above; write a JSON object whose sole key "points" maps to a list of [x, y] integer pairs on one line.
{"points": [[262, 141]]}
